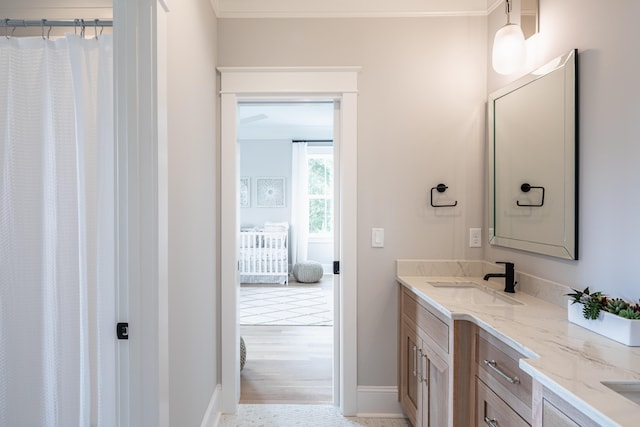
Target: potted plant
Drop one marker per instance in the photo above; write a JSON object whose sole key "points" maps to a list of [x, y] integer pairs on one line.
{"points": [[614, 318]]}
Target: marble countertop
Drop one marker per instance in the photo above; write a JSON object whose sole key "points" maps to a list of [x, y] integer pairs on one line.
{"points": [[566, 358]]}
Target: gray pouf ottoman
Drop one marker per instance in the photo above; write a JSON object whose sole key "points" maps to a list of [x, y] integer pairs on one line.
{"points": [[307, 271], [243, 353]]}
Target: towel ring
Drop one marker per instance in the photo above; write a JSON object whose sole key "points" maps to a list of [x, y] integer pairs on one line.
{"points": [[441, 188], [526, 187]]}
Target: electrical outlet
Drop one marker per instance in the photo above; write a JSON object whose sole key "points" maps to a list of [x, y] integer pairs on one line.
{"points": [[475, 237]]}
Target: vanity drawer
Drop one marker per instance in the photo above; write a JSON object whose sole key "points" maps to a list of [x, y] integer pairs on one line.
{"points": [[493, 411], [435, 328], [498, 367]]}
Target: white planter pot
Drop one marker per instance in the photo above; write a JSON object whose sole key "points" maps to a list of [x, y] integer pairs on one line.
{"points": [[617, 328]]}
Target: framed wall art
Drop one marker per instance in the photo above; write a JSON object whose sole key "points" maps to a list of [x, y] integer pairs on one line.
{"points": [[270, 192], [245, 192]]}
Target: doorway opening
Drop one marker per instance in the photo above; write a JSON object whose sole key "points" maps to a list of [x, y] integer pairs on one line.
{"points": [[286, 250], [250, 83]]}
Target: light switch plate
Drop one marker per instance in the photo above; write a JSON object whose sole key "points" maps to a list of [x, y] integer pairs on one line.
{"points": [[377, 237], [475, 237]]}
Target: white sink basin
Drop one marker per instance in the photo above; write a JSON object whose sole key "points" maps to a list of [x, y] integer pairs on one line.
{"points": [[473, 293], [628, 389]]}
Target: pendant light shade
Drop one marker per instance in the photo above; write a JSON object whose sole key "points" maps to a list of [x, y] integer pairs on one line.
{"points": [[508, 47]]}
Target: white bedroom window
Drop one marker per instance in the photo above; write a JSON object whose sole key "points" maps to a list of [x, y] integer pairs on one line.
{"points": [[320, 170]]}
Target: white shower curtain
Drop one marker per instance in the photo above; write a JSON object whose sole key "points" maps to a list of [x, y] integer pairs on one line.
{"points": [[299, 203], [57, 296]]}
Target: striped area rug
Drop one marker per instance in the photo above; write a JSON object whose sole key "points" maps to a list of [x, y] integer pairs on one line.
{"points": [[279, 305]]}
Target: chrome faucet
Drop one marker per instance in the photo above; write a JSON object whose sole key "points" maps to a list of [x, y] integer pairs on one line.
{"points": [[509, 284]]}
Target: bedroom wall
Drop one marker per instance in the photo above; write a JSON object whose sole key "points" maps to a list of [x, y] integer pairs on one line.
{"points": [[192, 167], [609, 91], [421, 113], [265, 158]]}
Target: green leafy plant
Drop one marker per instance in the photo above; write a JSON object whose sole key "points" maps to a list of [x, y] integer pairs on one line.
{"points": [[592, 303], [615, 305], [629, 313], [595, 302]]}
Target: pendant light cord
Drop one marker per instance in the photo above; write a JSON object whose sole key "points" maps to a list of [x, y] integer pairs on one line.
{"points": [[507, 7]]}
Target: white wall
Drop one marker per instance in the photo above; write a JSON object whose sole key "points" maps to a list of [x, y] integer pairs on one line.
{"points": [[272, 158], [54, 9], [321, 250], [192, 133], [421, 122], [609, 92], [265, 158], [192, 168]]}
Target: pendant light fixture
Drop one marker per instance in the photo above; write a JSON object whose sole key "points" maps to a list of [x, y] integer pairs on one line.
{"points": [[508, 46]]}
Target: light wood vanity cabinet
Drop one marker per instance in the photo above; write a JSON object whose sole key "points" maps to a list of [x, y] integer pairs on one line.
{"points": [[455, 374], [503, 390], [423, 367], [424, 380], [435, 372], [550, 410], [492, 411]]}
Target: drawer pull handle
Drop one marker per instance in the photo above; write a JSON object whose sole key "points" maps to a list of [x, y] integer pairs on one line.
{"points": [[421, 373], [415, 360], [491, 421], [424, 368], [493, 365]]}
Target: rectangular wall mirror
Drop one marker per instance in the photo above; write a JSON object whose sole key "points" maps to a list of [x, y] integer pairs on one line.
{"points": [[532, 166]]}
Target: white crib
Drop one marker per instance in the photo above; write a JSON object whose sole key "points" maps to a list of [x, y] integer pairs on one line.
{"points": [[264, 255]]}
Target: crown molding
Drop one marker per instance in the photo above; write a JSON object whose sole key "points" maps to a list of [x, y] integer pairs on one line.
{"points": [[351, 8], [215, 6]]}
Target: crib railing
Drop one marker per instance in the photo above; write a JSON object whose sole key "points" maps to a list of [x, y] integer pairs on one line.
{"points": [[264, 253]]}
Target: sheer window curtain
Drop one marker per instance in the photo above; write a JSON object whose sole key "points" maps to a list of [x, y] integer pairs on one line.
{"points": [[299, 203], [57, 295]]}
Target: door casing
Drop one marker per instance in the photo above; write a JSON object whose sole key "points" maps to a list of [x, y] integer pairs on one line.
{"points": [[339, 84]]}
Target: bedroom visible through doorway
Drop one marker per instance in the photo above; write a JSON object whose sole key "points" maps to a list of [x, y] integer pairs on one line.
{"points": [[286, 212]]}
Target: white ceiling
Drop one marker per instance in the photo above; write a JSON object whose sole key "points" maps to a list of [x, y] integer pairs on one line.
{"points": [[285, 120]]}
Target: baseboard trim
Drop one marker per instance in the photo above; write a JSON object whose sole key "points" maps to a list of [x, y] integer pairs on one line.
{"points": [[379, 402], [212, 415], [373, 402]]}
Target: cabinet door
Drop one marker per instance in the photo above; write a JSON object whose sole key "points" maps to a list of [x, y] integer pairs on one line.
{"points": [[409, 372], [436, 390], [568, 416], [553, 411], [553, 417]]}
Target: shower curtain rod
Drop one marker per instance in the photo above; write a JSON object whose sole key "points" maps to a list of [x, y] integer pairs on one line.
{"points": [[15, 23]]}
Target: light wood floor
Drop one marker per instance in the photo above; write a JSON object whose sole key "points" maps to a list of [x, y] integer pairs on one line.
{"points": [[287, 364]]}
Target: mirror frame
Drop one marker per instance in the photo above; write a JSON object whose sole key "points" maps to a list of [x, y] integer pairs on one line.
{"points": [[568, 64]]}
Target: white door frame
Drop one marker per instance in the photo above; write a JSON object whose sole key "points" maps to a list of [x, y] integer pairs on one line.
{"points": [[340, 84], [141, 211]]}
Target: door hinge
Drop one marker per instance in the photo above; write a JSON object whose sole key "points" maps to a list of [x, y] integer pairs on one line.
{"points": [[122, 331], [336, 267]]}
